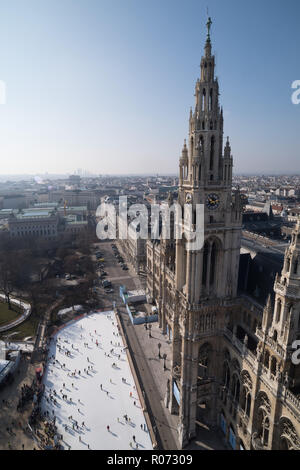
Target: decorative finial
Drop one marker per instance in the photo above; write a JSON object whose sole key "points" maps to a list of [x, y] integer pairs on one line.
{"points": [[208, 25]]}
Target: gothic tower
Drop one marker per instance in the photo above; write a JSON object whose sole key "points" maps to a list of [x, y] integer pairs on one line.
{"points": [[227, 371], [283, 327], [205, 177], [205, 279]]}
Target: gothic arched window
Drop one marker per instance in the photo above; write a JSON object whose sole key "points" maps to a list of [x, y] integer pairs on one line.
{"points": [[267, 359], [289, 438], [213, 261], [201, 143], [212, 151], [203, 100], [205, 259], [235, 388], [273, 365], [296, 266], [226, 375], [210, 100], [192, 145], [278, 313]]}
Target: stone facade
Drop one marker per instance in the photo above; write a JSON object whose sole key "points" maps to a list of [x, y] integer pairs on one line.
{"points": [[43, 225], [231, 358]]}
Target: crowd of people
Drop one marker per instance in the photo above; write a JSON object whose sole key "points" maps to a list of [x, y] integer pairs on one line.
{"points": [[27, 393]]}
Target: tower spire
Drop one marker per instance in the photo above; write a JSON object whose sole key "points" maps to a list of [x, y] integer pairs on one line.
{"points": [[207, 47]]}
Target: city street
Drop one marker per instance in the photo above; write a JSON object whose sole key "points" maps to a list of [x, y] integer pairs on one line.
{"points": [[149, 366]]}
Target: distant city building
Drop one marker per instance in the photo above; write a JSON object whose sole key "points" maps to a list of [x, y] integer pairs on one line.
{"points": [[46, 220], [74, 180], [38, 223]]}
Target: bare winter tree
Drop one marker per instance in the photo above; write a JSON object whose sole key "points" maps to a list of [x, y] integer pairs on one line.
{"points": [[6, 278]]}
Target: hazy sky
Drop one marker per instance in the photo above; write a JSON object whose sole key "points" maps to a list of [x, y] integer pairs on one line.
{"points": [[106, 85]]}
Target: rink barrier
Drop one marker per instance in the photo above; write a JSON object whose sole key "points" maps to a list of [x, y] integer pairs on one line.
{"points": [[137, 383]]}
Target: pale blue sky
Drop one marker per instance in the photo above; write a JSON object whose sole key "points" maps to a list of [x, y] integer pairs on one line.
{"points": [[106, 85]]}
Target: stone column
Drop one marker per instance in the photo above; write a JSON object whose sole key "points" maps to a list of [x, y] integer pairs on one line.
{"points": [[198, 276], [189, 275], [208, 269]]}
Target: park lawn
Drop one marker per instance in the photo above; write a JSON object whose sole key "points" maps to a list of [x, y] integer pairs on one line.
{"points": [[7, 315], [25, 329]]}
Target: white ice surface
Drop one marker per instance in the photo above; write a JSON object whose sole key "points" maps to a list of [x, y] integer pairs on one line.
{"points": [[96, 408]]}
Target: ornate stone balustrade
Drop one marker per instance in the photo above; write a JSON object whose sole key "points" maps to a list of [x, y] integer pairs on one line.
{"points": [[289, 291], [290, 398], [270, 342]]}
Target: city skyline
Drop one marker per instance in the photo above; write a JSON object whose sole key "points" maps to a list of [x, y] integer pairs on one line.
{"points": [[107, 84], [168, 271]]}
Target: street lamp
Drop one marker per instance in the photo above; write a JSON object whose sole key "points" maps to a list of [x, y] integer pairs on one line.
{"points": [[150, 326], [159, 346]]}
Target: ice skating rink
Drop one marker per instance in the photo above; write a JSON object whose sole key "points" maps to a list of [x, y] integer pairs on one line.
{"points": [[85, 400]]}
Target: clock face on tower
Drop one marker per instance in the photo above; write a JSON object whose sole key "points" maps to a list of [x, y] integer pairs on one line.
{"points": [[212, 201], [188, 198]]}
